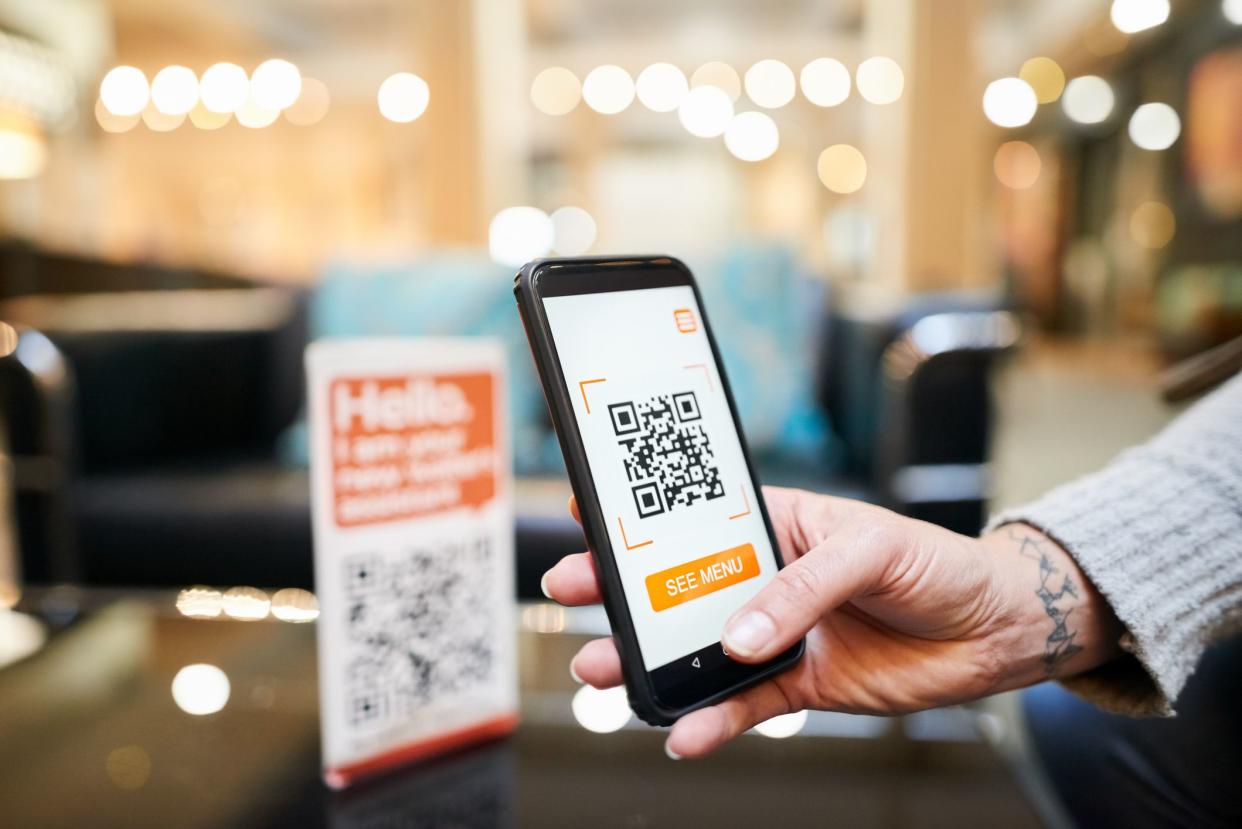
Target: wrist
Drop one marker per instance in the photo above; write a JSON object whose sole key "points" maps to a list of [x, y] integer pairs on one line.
{"points": [[1054, 623]]}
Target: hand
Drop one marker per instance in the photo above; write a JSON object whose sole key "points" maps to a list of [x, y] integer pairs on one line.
{"points": [[899, 615]]}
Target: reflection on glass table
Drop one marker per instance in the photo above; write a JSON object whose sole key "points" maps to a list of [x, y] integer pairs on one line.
{"points": [[144, 709]]}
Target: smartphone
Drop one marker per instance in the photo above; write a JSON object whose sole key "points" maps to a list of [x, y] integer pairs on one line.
{"points": [[670, 504]]}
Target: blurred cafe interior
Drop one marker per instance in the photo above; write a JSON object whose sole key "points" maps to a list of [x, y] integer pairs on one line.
{"points": [[953, 244]]}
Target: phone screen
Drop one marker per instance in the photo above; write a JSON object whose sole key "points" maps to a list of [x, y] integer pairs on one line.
{"points": [[668, 467]]}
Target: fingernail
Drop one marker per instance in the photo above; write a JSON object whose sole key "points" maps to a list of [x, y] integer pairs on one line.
{"points": [[574, 674], [672, 755], [543, 585], [747, 636]]}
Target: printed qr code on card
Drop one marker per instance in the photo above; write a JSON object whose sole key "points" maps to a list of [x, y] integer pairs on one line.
{"points": [[667, 454], [421, 627]]}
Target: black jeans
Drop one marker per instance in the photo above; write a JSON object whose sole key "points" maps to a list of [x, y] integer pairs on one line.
{"points": [[1110, 770]]}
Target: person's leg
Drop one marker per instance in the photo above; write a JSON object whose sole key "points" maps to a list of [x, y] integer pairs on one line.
{"points": [[1110, 770]]}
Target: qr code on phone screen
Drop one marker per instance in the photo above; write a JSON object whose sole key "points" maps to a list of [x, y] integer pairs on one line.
{"points": [[667, 455], [422, 626]]}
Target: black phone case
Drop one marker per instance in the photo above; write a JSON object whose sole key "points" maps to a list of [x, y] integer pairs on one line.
{"points": [[638, 687]]}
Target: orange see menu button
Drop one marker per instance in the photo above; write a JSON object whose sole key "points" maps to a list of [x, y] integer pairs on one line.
{"points": [[678, 585]]}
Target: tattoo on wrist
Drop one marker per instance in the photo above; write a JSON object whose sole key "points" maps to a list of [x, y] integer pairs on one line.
{"points": [[1059, 647]]}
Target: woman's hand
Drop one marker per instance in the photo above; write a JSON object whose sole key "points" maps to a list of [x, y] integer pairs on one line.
{"points": [[899, 615]]}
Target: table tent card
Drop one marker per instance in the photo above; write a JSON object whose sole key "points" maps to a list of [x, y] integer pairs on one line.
{"points": [[413, 518]]}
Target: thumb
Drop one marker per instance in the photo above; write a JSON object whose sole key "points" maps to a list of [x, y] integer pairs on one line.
{"points": [[797, 598]]}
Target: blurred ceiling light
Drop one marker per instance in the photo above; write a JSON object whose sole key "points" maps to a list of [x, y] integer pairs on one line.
{"points": [[124, 91], [1088, 99], [706, 111], [205, 119], [1152, 225], [770, 84], [1016, 164], [825, 82], [601, 711], [1009, 102], [246, 604], [174, 90], [111, 122], [157, 121], [293, 604], [573, 231], [1045, 77], [752, 136], [22, 154], [608, 89], [224, 87], [1154, 126], [661, 87], [720, 75], [312, 104], [200, 689], [200, 602], [403, 97], [1232, 10], [253, 116], [842, 168], [519, 234], [555, 91], [1132, 16], [786, 725], [879, 80], [275, 84]]}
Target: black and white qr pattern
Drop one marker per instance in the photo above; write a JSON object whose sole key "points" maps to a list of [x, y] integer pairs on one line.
{"points": [[421, 626], [667, 455]]}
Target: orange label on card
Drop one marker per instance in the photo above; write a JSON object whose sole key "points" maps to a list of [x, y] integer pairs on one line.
{"points": [[411, 445]]}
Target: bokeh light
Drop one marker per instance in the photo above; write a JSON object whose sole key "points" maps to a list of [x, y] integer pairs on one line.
{"points": [[608, 89], [1232, 10], [770, 84], [706, 111], [293, 604], [786, 725], [573, 231], [1132, 16], [1016, 164], [879, 80], [1154, 126], [1088, 99], [200, 602], [200, 689], [224, 87], [174, 90], [1152, 225], [519, 234], [661, 87], [124, 90], [128, 767], [205, 119], [1009, 102], [312, 104], [246, 604], [601, 711], [157, 121], [842, 168], [555, 91], [1045, 77], [752, 136], [111, 122], [22, 154], [825, 82], [253, 116], [275, 84], [720, 75], [403, 97]]}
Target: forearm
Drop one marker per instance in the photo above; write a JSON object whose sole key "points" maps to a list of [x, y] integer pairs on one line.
{"points": [[1053, 622]]}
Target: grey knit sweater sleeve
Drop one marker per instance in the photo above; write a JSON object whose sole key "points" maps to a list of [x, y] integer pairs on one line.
{"points": [[1159, 533]]}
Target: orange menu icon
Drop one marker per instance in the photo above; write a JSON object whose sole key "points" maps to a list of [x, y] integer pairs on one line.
{"points": [[686, 323]]}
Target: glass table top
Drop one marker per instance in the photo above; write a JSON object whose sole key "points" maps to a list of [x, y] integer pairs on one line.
{"points": [[97, 729]]}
